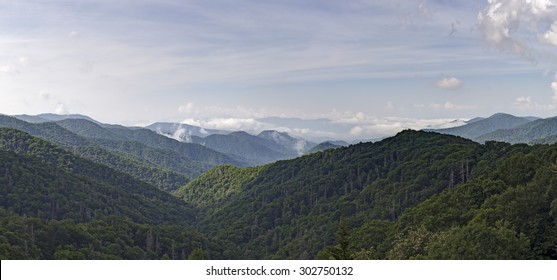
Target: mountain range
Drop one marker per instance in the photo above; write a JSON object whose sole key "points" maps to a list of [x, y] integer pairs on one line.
{"points": [[78, 189], [507, 128], [265, 147]]}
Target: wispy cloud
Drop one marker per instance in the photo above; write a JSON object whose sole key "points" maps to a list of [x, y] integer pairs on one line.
{"points": [[153, 56], [452, 106], [526, 103]]}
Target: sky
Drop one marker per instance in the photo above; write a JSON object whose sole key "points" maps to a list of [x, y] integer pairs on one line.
{"points": [[375, 67]]}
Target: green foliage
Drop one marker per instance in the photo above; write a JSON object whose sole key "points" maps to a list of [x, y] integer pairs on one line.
{"points": [[107, 238], [141, 153], [217, 184], [417, 195], [48, 182]]}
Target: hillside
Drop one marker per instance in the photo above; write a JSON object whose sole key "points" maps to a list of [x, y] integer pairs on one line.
{"points": [[415, 187], [417, 195], [34, 152], [196, 154], [303, 199], [55, 205], [480, 126], [246, 147], [322, 147], [538, 131], [168, 166], [289, 143]]}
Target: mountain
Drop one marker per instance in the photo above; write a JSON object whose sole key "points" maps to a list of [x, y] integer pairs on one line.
{"points": [[246, 147], [182, 132], [415, 195], [478, 127], [323, 126], [56, 205], [147, 156], [58, 172], [52, 118], [30, 119], [538, 131], [323, 147], [267, 146], [288, 142], [287, 203]]}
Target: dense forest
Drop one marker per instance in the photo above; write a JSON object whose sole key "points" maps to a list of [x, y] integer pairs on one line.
{"points": [[416, 195], [141, 153]]}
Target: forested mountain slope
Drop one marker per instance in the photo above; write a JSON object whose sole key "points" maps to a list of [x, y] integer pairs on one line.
{"points": [[417, 195], [292, 209], [169, 166], [538, 131], [277, 212], [55, 205], [56, 169], [481, 126], [248, 148]]}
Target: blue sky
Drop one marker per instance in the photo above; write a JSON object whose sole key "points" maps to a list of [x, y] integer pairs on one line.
{"points": [[224, 64]]}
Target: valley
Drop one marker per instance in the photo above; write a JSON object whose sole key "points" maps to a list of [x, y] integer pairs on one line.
{"points": [[74, 188]]}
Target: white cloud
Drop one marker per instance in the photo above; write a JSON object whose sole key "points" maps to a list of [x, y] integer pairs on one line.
{"points": [[356, 131], [523, 103], [550, 37], [24, 60], [449, 83], [510, 24], [452, 106], [348, 126], [231, 124], [423, 9], [186, 108], [61, 109]]}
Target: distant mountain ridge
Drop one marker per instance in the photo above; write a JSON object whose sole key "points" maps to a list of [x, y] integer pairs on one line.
{"points": [[480, 126], [507, 128], [52, 118], [145, 155], [183, 132], [265, 147], [538, 131]]}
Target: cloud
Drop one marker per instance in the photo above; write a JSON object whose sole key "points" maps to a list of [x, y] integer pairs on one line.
{"points": [[510, 24], [61, 109], [550, 37], [23, 60], [231, 124], [186, 108], [449, 83], [388, 126], [523, 101], [452, 106], [423, 9], [526, 103]]}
